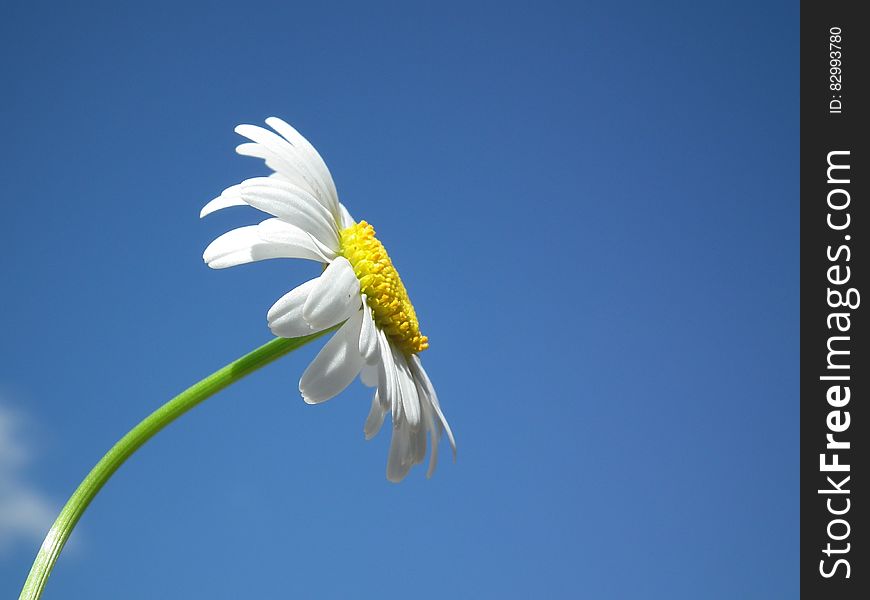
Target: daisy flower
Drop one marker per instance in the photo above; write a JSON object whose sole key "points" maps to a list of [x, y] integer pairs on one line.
{"points": [[379, 339]]}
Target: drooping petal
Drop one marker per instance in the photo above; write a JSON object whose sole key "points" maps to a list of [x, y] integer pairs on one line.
{"points": [[369, 375], [423, 378], [285, 316], [399, 460], [434, 427], [388, 387], [376, 417], [410, 401], [368, 337], [337, 364], [335, 297], [418, 444]]}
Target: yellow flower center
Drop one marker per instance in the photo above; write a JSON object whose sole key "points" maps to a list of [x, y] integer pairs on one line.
{"points": [[380, 282]]}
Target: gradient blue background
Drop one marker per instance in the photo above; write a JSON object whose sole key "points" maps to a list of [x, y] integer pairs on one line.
{"points": [[594, 207]]}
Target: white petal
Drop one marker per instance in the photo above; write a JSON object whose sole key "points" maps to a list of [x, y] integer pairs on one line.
{"points": [[388, 387], [335, 366], [369, 375], [423, 378], [287, 159], [435, 429], [285, 316], [287, 185], [293, 205], [258, 151], [244, 245], [376, 417], [311, 156], [418, 444], [368, 337], [410, 401], [346, 219], [277, 231], [400, 461], [229, 197], [232, 248], [335, 297]]}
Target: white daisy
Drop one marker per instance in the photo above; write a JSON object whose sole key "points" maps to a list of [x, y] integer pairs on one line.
{"points": [[380, 338]]}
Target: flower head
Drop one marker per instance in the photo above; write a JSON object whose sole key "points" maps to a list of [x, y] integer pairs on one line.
{"points": [[380, 338]]}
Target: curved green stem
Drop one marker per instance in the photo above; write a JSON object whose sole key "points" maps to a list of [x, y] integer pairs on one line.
{"points": [[135, 438]]}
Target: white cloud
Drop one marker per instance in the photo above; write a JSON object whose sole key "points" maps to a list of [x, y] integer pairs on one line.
{"points": [[25, 514]]}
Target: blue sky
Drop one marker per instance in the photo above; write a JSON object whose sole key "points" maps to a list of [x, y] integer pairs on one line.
{"points": [[594, 207]]}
